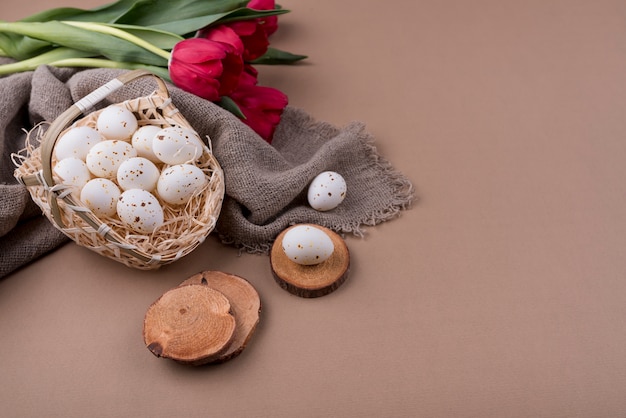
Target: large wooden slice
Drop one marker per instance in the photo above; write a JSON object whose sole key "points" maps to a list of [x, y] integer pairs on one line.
{"points": [[190, 324], [245, 306], [313, 280]]}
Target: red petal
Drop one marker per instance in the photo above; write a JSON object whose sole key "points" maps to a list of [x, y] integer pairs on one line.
{"points": [[262, 106], [260, 97], [244, 27], [225, 35], [248, 76], [196, 50], [233, 66], [269, 23], [189, 79], [262, 4]]}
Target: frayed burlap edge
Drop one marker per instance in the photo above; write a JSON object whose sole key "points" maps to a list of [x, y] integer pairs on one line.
{"points": [[402, 190]]}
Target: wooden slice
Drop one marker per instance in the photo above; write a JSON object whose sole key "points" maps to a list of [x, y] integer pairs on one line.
{"points": [[245, 306], [314, 280], [190, 324]]}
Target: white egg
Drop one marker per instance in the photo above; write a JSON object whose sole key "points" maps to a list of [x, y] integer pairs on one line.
{"points": [[72, 171], [116, 122], [177, 145], [100, 196], [307, 245], [138, 173], [140, 211], [327, 191], [76, 142], [104, 158], [142, 142], [179, 182]]}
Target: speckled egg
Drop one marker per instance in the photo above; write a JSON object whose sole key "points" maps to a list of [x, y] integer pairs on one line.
{"points": [[307, 245], [177, 145], [140, 211], [327, 191], [104, 158], [179, 182], [138, 173], [72, 172], [76, 142], [100, 196], [142, 142], [116, 122]]}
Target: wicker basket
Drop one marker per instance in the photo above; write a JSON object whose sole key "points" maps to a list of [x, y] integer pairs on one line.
{"points": [[184, 227]]}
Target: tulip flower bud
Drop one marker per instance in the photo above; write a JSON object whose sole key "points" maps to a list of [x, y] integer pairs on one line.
{"points": [[262, 107], [269, 23], [206, 68]]}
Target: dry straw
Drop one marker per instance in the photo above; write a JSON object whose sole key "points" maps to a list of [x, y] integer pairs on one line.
{"points": [[184, 227]]}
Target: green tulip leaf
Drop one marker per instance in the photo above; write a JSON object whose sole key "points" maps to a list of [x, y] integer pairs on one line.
{"points": [[189, 26], [157, 12], [46, 58], [247, 14], [229, 104], [159, 38], [275, 56], [21, 47], [84, 40], [104, 14], [60, 13]]}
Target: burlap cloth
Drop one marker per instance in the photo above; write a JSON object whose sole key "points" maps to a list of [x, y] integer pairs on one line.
{"points": [[265, 184]]}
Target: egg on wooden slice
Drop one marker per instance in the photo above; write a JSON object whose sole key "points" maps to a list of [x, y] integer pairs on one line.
{"points": [[142, 142], [307, 245], [76, 142], [100, 196], [178, 183], [105, 158], [327, 191], [309, 260], [117, 122], [138, 173], [72, 172], [140, 211], [177, 145]]}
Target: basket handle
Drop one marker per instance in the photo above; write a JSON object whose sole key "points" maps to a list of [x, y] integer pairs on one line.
{"points": [[69, 116]]}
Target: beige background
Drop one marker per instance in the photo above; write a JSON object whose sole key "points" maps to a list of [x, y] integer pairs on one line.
{"points": [[501, 293]]}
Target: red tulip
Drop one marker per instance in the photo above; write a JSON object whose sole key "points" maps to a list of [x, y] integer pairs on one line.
{"points": [[206, 68], [223, 34], [269, 23], [253, 37], [253, 33], [262, 107], [249, 75], [250, 37]]}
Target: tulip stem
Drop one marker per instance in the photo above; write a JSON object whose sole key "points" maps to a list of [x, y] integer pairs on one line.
{"points": [[105, 63], [110, 30], [45, 58]]}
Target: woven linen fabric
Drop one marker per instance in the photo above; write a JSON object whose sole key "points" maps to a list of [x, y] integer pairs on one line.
{"points": [[266, 185]]}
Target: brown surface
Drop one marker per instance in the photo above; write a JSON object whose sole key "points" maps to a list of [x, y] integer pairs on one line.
{"points": [[311, 281], [245, 306], [501, 293]]}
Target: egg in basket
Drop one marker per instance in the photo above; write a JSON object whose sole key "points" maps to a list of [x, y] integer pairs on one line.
{"points": [[133, 181]]}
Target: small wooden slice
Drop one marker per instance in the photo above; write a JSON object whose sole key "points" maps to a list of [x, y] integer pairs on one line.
{"points": [[245, 306], [314, 280], [190, 324]]}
